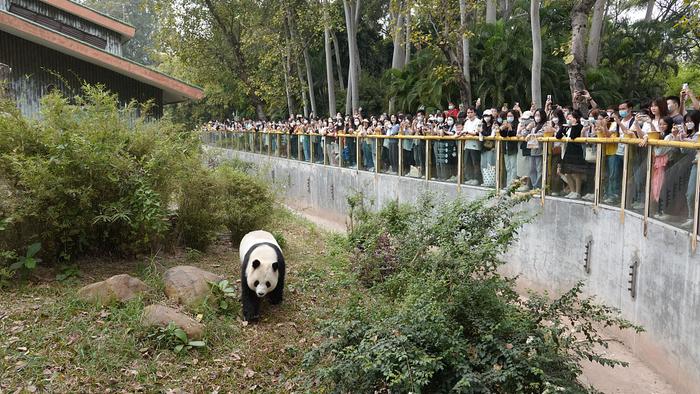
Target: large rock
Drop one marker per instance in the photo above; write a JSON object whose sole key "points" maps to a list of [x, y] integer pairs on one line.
{"points": [[161, 316], [117, 288], [188, 285]]}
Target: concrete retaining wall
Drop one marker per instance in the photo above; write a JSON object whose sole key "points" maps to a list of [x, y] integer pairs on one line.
{"points": [[550, 255]]}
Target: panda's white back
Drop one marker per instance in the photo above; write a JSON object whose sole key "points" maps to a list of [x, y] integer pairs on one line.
{"points": [[253, 238]]}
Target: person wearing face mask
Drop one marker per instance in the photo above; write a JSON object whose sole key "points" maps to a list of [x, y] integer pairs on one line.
{"points": [[573, 167], [365, 145], [619, 127], [472, 148], [488, 151], [691, 126], [509, 128], [406, 129], [419, 124], [536, 152], [451, 111], [443, 149]]}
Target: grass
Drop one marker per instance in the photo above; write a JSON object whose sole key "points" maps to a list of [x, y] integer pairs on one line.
{"points": [[51, 341]]}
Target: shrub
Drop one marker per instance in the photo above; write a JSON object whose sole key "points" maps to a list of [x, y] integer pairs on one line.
{"points": [[443, 319], [199, 210], [247, 202]]}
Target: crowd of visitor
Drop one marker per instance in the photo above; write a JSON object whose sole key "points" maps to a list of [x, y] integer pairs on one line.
{"points": [[673, 169]]}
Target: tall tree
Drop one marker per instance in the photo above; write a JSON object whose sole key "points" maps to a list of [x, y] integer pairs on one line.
{"points": [[577, 58], [594, 37], [407, 41], [466, 85], [490, 11], [339, 67], [329, 59], [399, 55], [352, 19], [536, 80]]}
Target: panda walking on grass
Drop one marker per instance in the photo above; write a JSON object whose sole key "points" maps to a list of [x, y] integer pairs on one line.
{"points": [[262, 272]]}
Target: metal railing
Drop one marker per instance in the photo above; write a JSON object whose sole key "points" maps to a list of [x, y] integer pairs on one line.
{"points": [[616, 172]]}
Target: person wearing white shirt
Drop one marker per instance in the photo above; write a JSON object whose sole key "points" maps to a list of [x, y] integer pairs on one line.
{"points": [[472, 148], [620, 126]]}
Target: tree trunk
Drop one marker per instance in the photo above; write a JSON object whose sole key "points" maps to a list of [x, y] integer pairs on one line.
{"points": [[399, 56], [594, 37], [466, 90], [341, 80], [536, 53], [579, 27], [506, 9], [4, 80], [287, 88], [300, 75], [351, 16], [329, 71], [650, 10], [408, 36], [310, 80], [490, 11]]}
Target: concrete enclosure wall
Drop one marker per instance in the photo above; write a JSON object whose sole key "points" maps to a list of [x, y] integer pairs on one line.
{"points": [[550, 254]]}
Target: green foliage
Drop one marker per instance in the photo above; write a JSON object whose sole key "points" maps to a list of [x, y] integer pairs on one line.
{"points": [[222, 297], [175, 338], [69, 273], [29, 261], [281, 240], [247, 202], [90, 175], [443, 319], [198, 215]]}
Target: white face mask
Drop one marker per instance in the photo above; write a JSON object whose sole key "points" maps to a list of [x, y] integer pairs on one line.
{"points": [[440, 120], [555, 120], [510, 119], [487, 118], [451, 107], [537, 119], [591, 119], [690, 125], [357, 123]]}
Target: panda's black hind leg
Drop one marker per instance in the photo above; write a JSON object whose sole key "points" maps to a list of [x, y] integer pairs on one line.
{"points": [[276, 295], [251, 305]]}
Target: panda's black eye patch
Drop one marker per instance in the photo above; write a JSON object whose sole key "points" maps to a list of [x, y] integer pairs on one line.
{"points": [[257, 282], [256, 264], [275, 266], [268, 284]]}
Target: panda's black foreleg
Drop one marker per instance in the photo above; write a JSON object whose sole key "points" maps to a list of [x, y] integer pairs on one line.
{"points": [[251, 305], [276, 295]]}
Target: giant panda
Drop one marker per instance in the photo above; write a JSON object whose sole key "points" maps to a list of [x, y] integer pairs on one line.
{"points": [[262, 272]]}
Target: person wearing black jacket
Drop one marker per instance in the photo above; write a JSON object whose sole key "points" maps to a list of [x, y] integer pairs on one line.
{"points": [[509, 128], [574, 167]]}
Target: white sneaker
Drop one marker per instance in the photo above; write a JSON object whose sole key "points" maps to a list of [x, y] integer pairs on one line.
{"points": [[662, 216], [637, 205], [589, 197], [687, 224], [574, 196], [452, 179]]}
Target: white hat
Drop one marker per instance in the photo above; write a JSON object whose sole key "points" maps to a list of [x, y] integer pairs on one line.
{"points": [[526, 115]]}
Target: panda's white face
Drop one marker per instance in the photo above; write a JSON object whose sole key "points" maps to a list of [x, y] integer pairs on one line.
{"points": [[262, 271]]}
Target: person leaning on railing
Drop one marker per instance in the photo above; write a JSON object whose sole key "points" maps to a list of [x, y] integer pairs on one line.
{"points": [[574, 167], [690, 127], [472, 148], [509, 128]]}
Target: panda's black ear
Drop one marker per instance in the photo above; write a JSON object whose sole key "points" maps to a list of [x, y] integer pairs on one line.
{"points": [[256, 264], [275, 266]]}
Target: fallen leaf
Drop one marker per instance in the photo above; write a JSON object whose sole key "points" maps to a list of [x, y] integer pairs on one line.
{"points": [[249, 373]]}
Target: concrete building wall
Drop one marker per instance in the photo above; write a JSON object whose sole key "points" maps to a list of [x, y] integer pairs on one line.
{"points": [[550, 255]]}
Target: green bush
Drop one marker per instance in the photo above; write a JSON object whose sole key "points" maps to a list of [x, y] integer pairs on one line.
{"points": [[247, 202], [94, 176], [443, 319]]}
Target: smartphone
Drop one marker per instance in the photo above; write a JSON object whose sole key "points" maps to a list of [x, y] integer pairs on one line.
{"points": [[549, 97], [685, 86]]}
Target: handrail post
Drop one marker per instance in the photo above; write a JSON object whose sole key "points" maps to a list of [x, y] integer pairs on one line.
{"points": [[269, 144], [311, 149], [300, 148], [696, 213], [358, 156], [399, 170], [341, 147], [499, 166], [598, 174], [625, 176], [460, 160], [378, 155], [647, 188], [545, 172], [427, 159]]}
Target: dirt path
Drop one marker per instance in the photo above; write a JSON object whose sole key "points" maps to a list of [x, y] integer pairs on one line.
{"points": [[638, 378]]}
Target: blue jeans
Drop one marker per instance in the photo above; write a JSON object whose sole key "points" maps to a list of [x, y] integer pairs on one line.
{"points": [[306, 146], [367, 155], [614, 175]]}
